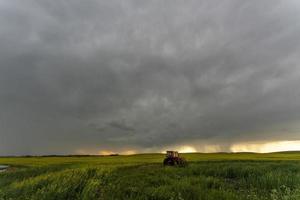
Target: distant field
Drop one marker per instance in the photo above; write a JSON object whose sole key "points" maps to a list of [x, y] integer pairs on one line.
{"points": [[218, 176]]}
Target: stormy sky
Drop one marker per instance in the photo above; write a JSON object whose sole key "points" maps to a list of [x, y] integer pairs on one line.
{"points": [[89, 76]]}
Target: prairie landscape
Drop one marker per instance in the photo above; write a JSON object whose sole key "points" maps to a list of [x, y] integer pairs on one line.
{"points": [[215, 176], [93, 93]]}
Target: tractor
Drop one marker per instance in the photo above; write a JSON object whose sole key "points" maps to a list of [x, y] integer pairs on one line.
{"points": [[173, 159]]}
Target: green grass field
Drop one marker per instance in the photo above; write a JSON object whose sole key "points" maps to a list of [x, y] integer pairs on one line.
{"points": [[219, 176]]}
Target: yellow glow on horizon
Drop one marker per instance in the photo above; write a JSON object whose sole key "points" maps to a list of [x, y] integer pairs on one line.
{"points": [[259, 147], [128, 152], [180, 149], [106, 152], [267, 147], [187, 149], [209, 148]]}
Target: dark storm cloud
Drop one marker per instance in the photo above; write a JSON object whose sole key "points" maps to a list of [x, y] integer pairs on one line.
{"points": [[147, 74]]}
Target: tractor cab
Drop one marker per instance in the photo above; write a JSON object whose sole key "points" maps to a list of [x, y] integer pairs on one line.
{"points": [[172, 154]]}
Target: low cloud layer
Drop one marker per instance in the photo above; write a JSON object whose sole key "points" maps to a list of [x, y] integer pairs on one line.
{"points": [[80, 76]]}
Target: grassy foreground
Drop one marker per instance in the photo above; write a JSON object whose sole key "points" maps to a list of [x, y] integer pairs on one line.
{"points": [[209, 176]]}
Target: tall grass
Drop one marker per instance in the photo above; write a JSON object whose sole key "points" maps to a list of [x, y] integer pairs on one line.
{"points": [[144, 178]]}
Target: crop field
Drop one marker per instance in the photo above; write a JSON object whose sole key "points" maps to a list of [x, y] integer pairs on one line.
{"points": [[217, 176]]}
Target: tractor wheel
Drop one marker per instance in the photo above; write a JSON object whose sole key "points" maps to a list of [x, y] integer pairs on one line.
{"points": [[169, 161], [182, 162]]}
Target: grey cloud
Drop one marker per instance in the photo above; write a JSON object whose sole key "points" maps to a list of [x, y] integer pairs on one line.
{"points": [[144, 75], [120, 125]]}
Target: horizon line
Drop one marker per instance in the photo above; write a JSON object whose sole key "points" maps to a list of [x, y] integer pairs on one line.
{"points": [[119, 154]]}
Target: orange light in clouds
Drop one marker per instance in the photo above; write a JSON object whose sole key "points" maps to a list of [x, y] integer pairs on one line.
{"points": [[267, 147]]}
